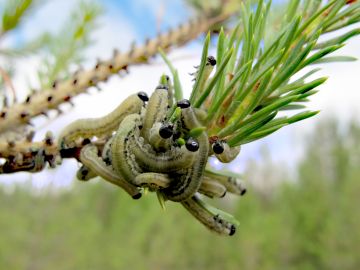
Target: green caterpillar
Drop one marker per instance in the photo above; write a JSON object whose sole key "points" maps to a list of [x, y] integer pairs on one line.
{"points": [[87, 128], [224, 152], [211, 188], [232, 184], [123, 160], [157, 134], [207, 215], [89, 157], [175, 159], [154, 181], [187, 182], [156, 110]]}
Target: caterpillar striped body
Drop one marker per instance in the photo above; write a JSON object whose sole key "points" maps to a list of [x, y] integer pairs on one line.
{"points": [[232, 184], [175, 159], [205, 214], [123, 160], [188, 182], [89, 157], [156, 110], [154, 181], [211, 188], [87, 128]]}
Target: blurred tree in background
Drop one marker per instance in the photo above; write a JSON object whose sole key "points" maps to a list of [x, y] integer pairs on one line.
{"points": [[310, 221]]}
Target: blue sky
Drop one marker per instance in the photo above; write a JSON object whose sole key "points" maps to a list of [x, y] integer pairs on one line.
{"points": [[142, 14]]}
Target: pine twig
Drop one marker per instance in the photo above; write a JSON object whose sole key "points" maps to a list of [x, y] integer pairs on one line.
{"points": [[63, 91]]}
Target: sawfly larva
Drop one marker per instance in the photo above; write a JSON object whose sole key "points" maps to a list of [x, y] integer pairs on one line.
{"points": [[122, 157], [174, 159], [87, 128], [212, 218], [224, 152], [106, 152], [158, 181], [186, 183], [153, 181], [156, 109], [232, 184], [211, 188], [89, 157], [159, 136]]}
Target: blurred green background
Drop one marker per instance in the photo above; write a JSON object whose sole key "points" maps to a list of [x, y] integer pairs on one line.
{"points": [[311, 220]]}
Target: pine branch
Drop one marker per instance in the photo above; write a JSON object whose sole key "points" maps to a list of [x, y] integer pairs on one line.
{"points": [[250, 86], [243, 99], [62, 91]]}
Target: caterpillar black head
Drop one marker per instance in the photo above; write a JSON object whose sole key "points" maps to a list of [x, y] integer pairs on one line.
{"points": [[166, 130], [218, 147], [232, 230], [192, 145], [143, 96], [183, 104], [211, 61]]}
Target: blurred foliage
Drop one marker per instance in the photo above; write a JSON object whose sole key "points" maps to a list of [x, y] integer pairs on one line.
{"points": [[61, 52], [13, 13], [67, 48], [308, 223]]}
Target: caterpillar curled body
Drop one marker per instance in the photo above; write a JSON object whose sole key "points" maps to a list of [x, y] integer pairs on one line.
{"points": [[127, 145], [211, 188], [158, 181], [87, 128], [186, 183], [89, 157], [174, 159], [106, 152], [154, 181]]}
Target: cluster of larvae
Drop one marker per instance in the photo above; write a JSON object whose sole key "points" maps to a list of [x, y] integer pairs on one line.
{"points": [[160, 145]]}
